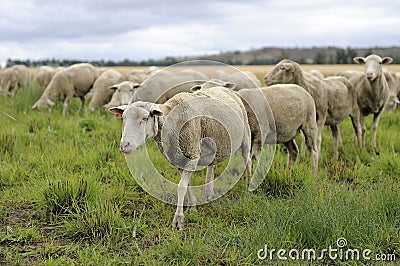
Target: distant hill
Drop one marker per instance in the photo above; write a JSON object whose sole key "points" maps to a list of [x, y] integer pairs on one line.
{"points": [[314, 55], [262, 56]]}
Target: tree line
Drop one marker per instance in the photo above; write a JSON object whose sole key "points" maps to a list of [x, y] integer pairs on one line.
{"points": [[263, 56]]}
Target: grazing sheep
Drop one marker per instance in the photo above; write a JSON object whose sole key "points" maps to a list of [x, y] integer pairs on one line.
{"points": [[242, 79], [394, 90], [179, 134], [43, 76], [13, 78], [74, 81], [122, 93], [372, 91], [293, 111], [101, 94], [334, 98], [151, 89]]}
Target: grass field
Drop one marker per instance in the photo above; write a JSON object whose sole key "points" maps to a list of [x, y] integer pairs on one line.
{"points": [[67, 198]]}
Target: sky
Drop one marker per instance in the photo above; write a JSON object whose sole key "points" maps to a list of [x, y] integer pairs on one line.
{"points": [[150, 29]]}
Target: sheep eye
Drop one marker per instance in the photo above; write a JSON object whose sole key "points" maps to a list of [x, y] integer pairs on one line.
{"points": [[144, 119]]}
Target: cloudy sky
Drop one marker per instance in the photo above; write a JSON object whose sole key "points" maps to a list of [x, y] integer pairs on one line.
{"points": [[144, 29]]}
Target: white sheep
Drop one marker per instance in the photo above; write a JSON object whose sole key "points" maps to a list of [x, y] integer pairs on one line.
{"points": [[293, 111], [372, 91], [185, 123], [100, 93], [121, 93], [151, 89], [74, 81], [334, 98], [43, 76], [394, 90], [242, 79], [13, 78]]}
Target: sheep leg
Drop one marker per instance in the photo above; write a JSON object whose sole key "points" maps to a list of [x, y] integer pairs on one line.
{"points": [[65, 105], [293, 151], [192, 201], [355, 120], [363, 130], [311, 142], [320, 127], [82, 104], [182, 189], [209, 185], [374, 128], [335, 135], [340, 141]]}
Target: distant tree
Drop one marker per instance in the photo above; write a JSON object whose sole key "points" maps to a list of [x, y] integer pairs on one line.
{"points": [[320, 58]]}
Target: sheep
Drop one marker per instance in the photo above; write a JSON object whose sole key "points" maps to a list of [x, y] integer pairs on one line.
{"points": [[242, 79], [13, 78], [121, 93], [43, 76], [293, 110], [179, 127], [316, 73], [101, 92], [74, 81], [372, 91], [334, 98], [394, 90], [151, 89]]}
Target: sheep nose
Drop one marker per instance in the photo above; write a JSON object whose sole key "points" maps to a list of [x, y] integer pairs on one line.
{"points": [[123, 145], [369, 74]]}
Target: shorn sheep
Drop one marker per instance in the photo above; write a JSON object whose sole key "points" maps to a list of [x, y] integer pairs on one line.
{"points": [[293, 111], [372, 91], [394, 90], [334, 98], [74, 81], [182, 144]]}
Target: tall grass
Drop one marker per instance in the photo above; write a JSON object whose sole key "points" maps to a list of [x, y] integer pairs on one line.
{"points": [[67, 197]]}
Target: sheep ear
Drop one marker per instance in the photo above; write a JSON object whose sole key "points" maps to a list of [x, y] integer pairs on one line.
{"points": [[113, 87], [155, 110], [195, 88], [229, 85], [135, 85], [359, 60], [387, 60], [118, 109]]}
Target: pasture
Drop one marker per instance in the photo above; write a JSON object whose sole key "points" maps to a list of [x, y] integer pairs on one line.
{"points": [[68, 198]]}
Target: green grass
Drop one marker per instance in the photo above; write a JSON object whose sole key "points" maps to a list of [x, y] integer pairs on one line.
{"points": [[67, 198]]}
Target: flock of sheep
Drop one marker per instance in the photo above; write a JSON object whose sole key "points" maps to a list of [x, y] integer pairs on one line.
{"points": [[181, 109]]}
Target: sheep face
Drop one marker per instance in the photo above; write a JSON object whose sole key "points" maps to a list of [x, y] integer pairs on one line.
{"points": [[283, 72], [43, 104], [373, 65], [140, 124], [125, 91]]}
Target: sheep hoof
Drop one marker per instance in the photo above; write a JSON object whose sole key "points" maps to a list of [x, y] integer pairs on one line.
{"points": [[177, 222]]}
